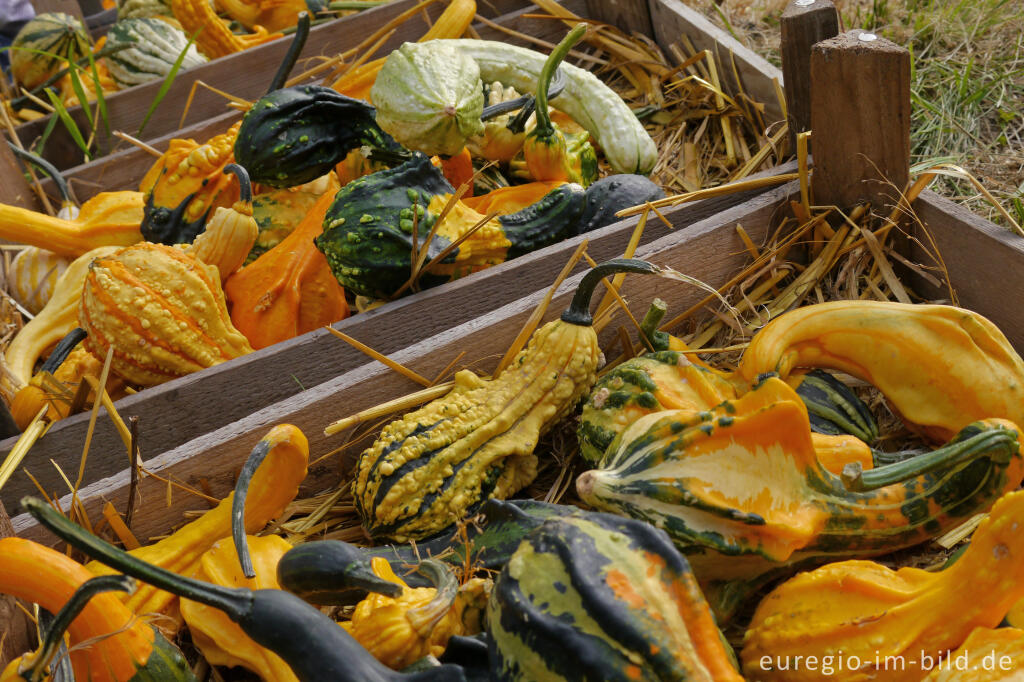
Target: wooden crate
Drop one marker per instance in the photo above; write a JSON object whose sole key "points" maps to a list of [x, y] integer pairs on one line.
{"points": [[709, 250], [179, 411]]}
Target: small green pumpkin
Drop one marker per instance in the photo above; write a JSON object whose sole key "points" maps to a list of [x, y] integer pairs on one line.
{"points": [[429, 98], [600, 597], [61, 36]]}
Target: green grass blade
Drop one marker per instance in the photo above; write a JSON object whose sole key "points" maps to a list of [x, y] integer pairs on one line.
{"points": [[101, 102], [41, 142], [83, 99], [69, 123], [168, 81]]}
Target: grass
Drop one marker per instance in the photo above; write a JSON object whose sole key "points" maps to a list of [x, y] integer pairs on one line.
{"points": [[967, 81]]}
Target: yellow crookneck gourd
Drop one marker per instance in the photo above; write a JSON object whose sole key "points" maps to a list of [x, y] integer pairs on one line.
{"points": [[420, 621], [272, 15], [872, 614], [222, 641], [276, 482], [213, 36]]}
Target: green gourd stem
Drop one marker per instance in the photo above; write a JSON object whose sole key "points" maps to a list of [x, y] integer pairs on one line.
{"points": [[424, 618], [47, 167], [578, 311], [290, 57], [656, 340], [244, 185], [63, 349], [971, 443], [68, 612], [252, 463], [225, 599], [544, 126]]}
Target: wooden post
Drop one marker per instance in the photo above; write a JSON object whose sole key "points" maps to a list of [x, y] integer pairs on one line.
{"points": [[14, 187], [860, 118], [13, 623], [803, 23]]}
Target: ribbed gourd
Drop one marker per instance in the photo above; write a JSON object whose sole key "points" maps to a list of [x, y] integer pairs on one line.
{"points": [[33, 275], [596, 597], [740, 486], [161, 310], [231, 232], [213, 36], [435, 465], [154, 47], [878, 616], [60, 35], [429, 99]]}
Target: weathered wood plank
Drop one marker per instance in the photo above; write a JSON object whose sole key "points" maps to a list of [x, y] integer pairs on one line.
{"points": [[709, 250], [14, 186], [180, 410], [671, 19], [632, 16], [802, 24]]}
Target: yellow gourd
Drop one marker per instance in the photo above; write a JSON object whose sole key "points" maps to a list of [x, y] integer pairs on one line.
{"points": [[986, 655], [33, 275]]}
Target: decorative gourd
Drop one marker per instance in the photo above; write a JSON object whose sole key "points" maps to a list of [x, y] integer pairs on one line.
{"points": [[107, 219], [66, 86], [212, 34], [613, 193], [278, 211], [162, 311], [274, 15], [832, 407], [132, 9], [221, 641], [293, 135], [40, 391], [33, 275], [663, 380], [875, 614], [230, 233], [332, 572], [986, 655], [417, 622], [599, 597], [435, 465], [107, 643], [285, 454], [368, 231], [496, 142], [315, 647], [741, 488], [511, 199], [289, 290], [940, 367], [155, 46], [429, 99], [58, 317], [60, 35], [549, 153], [185, 185]]}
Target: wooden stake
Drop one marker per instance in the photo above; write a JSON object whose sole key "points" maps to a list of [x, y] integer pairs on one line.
{"points": [[803, 23], [860, 115], [14, 625]]}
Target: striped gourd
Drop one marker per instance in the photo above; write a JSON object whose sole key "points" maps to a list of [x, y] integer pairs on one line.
{"points": [[156, 46], [32, 276], [599, 597], [61, 35], [161, 310]]}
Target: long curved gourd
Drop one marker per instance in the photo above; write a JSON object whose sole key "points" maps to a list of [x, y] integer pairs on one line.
{"points": [[940, 367], [316, 649], [368, 232], [436, 464], [740, 485], [600, 597], [58, 317], [276, 482], [289, 290], [107, 642], [107, 219], [873, 613], [221, 641]]}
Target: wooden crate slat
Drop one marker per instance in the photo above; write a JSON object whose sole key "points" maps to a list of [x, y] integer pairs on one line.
{"points": [[179, 410], [709, 250]]}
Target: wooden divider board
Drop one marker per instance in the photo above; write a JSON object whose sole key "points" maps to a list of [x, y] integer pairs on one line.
{"points": [[183, 409], [709, 250], [244, 74]]}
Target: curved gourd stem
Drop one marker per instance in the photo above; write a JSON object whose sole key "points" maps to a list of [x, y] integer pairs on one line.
{"points": [[48, 168], [331, 573], [244, 185], [252, 463], [63, 349], [544, 125], [525, 104], [973, 442], [424, 618], [55, 632], [578, 311], [658, 340], [292, 56]]}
